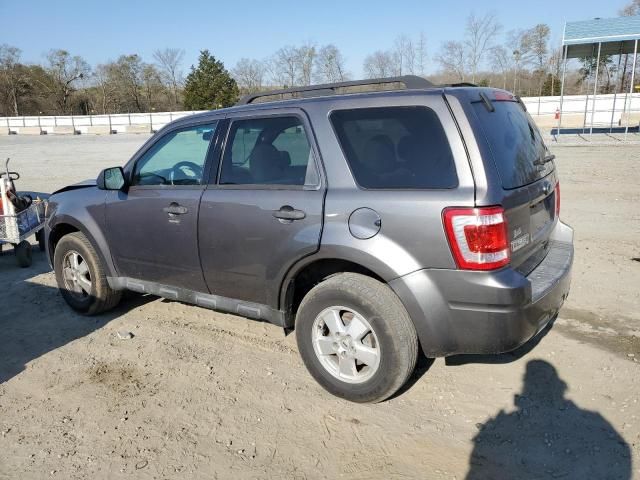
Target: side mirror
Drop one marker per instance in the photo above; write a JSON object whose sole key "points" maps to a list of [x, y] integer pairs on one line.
{"points": [[111, 179]]}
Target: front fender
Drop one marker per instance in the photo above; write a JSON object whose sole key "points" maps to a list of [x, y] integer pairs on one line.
{"points": [[84, 211]]}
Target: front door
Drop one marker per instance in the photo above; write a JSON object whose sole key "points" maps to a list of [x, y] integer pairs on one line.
{"points": [[152, 227], [265, 211]]}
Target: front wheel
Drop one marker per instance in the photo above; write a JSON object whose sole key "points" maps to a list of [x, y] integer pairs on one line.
{"points": [[80, 276], [356, 338]]}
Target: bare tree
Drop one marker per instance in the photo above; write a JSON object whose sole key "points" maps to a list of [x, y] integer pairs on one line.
{"points": [[421, 53], [480, 32], [501, 61], [329, 65], [152, 85], [169, 62], [631, 9], [127, 72], [12, 78], [404, 56], [537, 41], [305, 57], [521, 54], [284, 66], [379, 64], [249, 75], [453, 59], [65, 71], [106, 89]]}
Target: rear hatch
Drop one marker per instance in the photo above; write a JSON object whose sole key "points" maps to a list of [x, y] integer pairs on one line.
{"points": [[527, 173]]}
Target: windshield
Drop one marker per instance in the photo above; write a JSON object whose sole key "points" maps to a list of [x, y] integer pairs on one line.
{"points": [[515, 142]]}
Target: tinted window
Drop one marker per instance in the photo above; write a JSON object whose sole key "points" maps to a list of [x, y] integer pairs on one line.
{"points": [[515, 143], [178, 158], [268, 151], [396, 147]]}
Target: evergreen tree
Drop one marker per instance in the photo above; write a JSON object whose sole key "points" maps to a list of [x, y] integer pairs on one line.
{"points": [[209, 86]]}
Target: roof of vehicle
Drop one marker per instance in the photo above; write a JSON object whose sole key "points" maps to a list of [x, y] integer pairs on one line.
{"points": [[365, 89]]}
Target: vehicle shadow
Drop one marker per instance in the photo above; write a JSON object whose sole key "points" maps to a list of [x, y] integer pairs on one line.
{"points": [[424, 364], [496, 359], [548, 436], [34, 319]]}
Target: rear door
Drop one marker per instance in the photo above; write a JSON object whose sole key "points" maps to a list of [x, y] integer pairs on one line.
{"points": [[264, 211], [527, 173]]}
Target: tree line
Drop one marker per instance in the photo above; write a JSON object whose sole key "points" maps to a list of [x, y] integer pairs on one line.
{"points": [[523, 61]]}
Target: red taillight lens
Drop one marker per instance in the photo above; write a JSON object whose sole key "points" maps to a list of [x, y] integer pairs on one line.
{"points": [[477, 237], [558, 200]]}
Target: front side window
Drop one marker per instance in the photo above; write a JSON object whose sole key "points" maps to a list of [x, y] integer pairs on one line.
{"points": [[268, 151], [178, 158], [396, 148]]}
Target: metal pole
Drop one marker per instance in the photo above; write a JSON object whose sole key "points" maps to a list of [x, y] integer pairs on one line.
{"points": [[110, 129], [595, 90], [564, 71], [633, 78], [615, 91], [73, 123], [8, 126]]}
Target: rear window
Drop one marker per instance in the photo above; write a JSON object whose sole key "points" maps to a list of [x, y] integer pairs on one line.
{"points": [[515, 143], [396, 148]]}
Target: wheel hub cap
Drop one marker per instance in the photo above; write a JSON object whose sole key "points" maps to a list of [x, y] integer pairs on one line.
{"points": [[346, 345], [76, 274]]}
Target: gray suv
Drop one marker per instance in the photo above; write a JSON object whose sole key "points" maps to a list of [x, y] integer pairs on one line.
{"points": [[378, 221]]}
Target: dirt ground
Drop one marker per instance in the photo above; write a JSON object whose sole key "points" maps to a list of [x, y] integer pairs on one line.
{"points": [[199, 394]]}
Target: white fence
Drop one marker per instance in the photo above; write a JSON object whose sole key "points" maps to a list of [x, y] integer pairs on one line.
{"points": [[609, 111], [105, 124]]}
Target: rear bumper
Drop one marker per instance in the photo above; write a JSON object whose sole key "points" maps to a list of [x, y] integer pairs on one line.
{"points": [[460, 311]]}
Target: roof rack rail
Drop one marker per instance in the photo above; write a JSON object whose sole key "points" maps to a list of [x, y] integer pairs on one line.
{"points": [[409, 81]]}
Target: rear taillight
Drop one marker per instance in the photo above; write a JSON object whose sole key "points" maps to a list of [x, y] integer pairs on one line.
{"points": [[557, 200], [477, 237]]}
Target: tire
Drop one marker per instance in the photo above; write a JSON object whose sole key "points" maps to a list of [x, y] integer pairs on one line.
{"points": [[391, 344], [83, 284], [23, 254]]}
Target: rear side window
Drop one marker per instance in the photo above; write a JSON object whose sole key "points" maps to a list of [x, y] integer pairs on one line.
{"points": [[268, 151], [515, 143], [396, 148]]}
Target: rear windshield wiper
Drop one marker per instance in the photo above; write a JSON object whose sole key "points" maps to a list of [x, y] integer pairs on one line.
{"points": [[542, 161]]}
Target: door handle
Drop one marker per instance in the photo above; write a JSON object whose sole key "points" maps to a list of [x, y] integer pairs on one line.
{"points": [[287, 212], [175, 209]]}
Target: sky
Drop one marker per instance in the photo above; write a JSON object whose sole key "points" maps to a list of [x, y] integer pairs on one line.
{"points": [[102, 30]]}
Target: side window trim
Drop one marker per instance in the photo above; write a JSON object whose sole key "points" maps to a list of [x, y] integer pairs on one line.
{"points": [[261, 114], [130, 167]]}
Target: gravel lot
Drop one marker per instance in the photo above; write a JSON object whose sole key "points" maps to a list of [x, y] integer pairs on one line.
{"points": [[199, 394]]}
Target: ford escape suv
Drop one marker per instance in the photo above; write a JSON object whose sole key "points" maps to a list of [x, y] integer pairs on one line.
{"points": [[376, 221]]}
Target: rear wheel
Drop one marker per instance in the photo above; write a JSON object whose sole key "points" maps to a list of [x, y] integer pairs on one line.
{"points": [[81, 277], [356, 338]]}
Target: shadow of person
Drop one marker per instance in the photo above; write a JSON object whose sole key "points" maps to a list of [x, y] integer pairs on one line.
{"points": [[548, 436]]}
